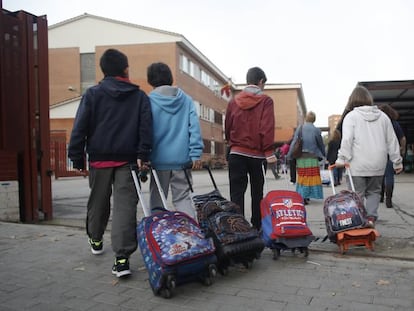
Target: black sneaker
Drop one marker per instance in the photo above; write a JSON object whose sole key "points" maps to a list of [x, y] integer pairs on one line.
{"points": [[96, 246], [121, 267]]}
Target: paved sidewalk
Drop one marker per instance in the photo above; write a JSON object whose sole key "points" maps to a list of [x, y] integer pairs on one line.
{"points": [[49, 266], [46, 267], [396, 225]]}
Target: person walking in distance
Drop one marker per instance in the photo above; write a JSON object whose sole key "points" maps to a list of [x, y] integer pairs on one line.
{"points": [[177, 138], [249, 131], [114, 125], [292, 165], [284, 149], [332, 154], [309, 183], [275, 168], [368, 139], [388, 181]]}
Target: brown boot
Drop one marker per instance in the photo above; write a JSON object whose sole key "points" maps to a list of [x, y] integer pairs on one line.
{"points": [[388, 196]]}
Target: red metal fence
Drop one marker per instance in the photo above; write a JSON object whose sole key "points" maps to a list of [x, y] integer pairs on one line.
{"points": [[60, 164]]}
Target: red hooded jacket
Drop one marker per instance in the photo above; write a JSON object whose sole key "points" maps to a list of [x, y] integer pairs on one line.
{"points": [[250, 125]]}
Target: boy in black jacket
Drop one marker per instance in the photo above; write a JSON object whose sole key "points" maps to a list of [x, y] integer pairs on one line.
{"points": [[113, 125]]}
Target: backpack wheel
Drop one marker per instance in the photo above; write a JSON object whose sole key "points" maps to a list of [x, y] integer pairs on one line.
{"points": [[207, 281], [248, 264], [305, 251], [224, 271], [212, 271], [170, 284], [165, 293], [276, 253]]}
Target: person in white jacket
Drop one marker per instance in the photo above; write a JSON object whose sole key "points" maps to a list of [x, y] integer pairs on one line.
{"points": [[367, 139]]}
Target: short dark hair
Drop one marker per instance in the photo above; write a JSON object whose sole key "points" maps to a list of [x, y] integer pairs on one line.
{"points": [[159, 74], [113, 63], [254, 75]]}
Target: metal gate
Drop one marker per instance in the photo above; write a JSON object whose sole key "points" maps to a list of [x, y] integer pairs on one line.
{"points": [[24, 107], [59, 161]]}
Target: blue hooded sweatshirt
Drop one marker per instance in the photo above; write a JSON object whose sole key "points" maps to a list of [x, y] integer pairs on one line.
{"points": [[176, 129]]}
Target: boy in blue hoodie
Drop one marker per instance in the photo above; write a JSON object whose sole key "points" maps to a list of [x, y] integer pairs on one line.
{"points": [[177, 138]]}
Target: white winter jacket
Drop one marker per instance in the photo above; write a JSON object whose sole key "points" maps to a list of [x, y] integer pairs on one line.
{"points": [[367, 138]]}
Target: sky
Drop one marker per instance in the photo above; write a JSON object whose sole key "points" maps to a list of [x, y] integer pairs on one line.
{"points": [[327, 46]]}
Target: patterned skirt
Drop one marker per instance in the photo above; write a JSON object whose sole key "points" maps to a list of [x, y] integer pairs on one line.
{"points": [[309, 183]]}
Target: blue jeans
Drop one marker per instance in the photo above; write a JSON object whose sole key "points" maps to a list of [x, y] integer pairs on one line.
{"points": [[389, 175], [337, 174]]}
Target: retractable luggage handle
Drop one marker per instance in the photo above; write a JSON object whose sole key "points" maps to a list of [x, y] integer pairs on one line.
{"points": [[147, 211], [160, 191], [189, 166], [348, 171]]}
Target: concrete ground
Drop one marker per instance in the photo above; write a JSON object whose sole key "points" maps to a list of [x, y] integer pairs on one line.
{"points": [[49, 266], [396, 225]]}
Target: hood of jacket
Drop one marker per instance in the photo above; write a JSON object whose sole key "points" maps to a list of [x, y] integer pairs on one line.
{"points": [[118, 88], [167, 98], [368, 113], [250, 97]]}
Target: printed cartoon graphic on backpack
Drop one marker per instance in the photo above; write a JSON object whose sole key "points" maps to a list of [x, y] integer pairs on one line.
{"points": [[179, 239], [343, 211]]}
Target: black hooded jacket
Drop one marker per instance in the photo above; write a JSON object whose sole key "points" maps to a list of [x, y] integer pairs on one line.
{"points": [[113, 123]]}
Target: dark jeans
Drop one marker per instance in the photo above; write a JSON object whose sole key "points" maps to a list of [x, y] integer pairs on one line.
{"points": [[292, 168], [389, 175], [241, 169], [337, 174]]}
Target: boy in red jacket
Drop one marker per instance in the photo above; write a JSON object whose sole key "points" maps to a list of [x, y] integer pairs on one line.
{"points": [[249, 130]]}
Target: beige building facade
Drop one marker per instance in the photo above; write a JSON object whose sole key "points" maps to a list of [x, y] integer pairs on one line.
{"points": [[76, 45], [333, 121]]}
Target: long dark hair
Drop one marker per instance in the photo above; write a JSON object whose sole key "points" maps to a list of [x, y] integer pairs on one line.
{"points": [[360, 96], [389, 111]]}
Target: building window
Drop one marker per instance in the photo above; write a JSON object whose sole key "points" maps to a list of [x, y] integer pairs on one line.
{"points": [[205, 78], [184, 65], [88, 72], [196, 73], [218, 118], [216, 87], [211, 115], [197, 107], [207, 113], [204, 112], [194, 70], [191, 68]]}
